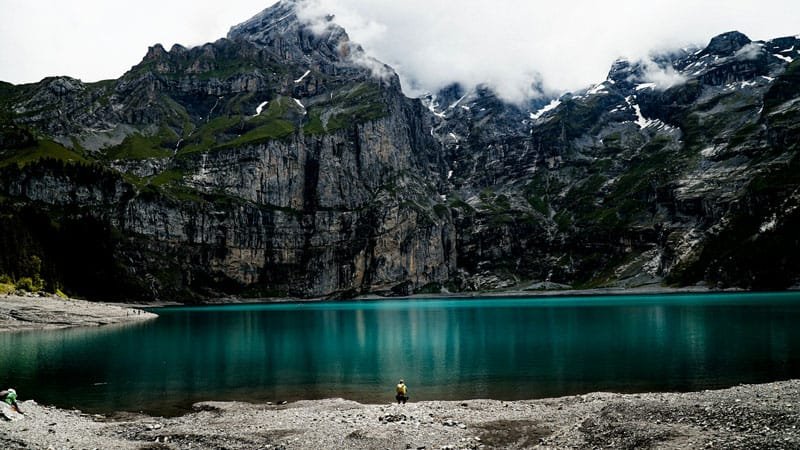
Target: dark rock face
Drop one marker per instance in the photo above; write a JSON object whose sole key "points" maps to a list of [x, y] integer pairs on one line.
{"points": [[727, 44], [276, 162]]}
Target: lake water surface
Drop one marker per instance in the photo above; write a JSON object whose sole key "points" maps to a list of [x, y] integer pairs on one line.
{"points": [[444, 349]]}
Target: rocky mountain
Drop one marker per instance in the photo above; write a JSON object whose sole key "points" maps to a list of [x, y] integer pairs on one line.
{"points": [[678, 170], [282, 160]]}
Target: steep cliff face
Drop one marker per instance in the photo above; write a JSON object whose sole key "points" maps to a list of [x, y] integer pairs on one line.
{"points": [[281, 160], [269, 163]]}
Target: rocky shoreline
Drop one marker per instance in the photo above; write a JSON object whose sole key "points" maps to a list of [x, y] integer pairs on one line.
{"points": [[745, 416], [34, 312]]}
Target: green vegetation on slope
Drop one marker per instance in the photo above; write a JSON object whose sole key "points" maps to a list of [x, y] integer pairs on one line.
{"points": [[138, 146], [43, 149], [360, 103]]}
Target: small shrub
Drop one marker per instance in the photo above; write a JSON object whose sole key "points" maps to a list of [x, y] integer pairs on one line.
{"points": [[29, 285], [6, 288]]}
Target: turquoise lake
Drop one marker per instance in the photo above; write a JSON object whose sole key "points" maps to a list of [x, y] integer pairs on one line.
{"points": [[447, 349]]}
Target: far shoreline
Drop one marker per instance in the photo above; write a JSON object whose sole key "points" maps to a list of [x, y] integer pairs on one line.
{"points": [[19, 313], [35, 312], [510, 294]]}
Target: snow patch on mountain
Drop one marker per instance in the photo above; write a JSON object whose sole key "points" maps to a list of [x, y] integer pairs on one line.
{"points": [[599, 89], [641, 120], [299, 80], [261, 108], [547, 108], [300, 104]]}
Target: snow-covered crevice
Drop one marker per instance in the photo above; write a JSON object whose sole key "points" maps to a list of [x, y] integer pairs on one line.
{"points": [[788, 59], [642, 121], [458, 101], [619, 108], [261, 108], [599, 89], [644, 86], [547, 108], [300, 104], [662, 126], [432, 103], [740, 85], [300, 80]]}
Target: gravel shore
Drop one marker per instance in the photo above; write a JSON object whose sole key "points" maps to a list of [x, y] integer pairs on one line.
{"points": [[20, 313], [746, 417]]}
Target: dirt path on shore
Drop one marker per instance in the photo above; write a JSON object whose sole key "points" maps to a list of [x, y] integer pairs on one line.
{"points": [[748, 416], [19, 313]]}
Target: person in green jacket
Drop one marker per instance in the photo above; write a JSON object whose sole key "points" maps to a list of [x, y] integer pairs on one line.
{"points": [[10, 396]]}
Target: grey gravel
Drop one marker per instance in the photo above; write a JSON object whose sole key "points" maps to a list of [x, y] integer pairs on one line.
{"points": [[742, 417]]}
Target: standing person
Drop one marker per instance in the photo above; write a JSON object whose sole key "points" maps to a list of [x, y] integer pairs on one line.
{"points": [[10, 396], [402, 392]]}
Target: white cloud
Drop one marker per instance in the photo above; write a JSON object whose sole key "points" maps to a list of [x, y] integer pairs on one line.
{"points": [[750, 51], [661, 77], [570, 43], [505, 43]]}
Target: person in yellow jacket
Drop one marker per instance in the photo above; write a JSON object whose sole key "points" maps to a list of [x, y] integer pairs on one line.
{"points": [[402, 393]]}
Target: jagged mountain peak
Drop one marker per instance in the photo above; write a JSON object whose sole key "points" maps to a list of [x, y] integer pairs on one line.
{"points": [[280, 29], [726, 44], [282, 14]]}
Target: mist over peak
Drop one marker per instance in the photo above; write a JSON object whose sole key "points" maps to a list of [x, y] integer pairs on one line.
{"points": [[532, 50]]}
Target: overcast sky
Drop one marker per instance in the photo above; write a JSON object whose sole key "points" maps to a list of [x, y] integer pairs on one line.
{"points": [[570, 43]]}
